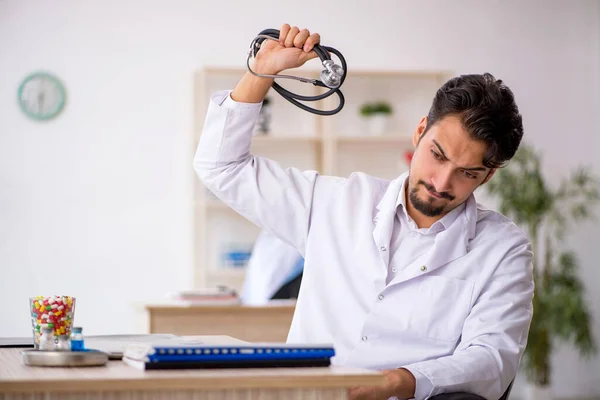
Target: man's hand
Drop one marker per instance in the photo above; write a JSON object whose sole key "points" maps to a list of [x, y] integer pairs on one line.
{"points": [[398, 382], [295, 47]]}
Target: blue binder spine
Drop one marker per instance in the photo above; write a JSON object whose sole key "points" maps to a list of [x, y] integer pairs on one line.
{"points": [[182, 354]]}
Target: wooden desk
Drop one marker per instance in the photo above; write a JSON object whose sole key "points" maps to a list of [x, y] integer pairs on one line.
{"points": [[253, 324], [118, 381]]}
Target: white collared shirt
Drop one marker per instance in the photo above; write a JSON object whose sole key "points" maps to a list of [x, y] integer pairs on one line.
{"points": [[456, 315], [409, 242]]}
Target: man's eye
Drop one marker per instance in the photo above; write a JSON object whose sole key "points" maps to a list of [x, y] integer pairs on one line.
{"points": [[469, 175], [436, 155]]}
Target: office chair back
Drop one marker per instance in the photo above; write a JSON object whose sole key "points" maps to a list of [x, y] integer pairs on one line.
{"points": [[468, 396], [507, 392]]}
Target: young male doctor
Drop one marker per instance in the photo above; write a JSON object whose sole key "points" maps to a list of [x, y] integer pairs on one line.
{"points": [[409, 276]]}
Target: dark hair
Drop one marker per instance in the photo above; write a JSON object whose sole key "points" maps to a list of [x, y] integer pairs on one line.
{"points": [[487, 110]]}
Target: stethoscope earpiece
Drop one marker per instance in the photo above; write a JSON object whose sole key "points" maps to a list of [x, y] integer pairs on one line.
{"points": [[331, 77]]}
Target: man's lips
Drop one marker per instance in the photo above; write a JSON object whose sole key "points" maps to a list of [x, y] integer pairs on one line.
{"points": [[433, 194]]}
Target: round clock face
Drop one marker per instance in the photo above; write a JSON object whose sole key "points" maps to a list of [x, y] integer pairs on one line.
{"points": [[41, 96]]}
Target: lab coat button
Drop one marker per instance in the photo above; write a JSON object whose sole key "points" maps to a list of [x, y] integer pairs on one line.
{"points": [[383, 248], [364, 338], [380, 297], [394, 269], [423, 268]]}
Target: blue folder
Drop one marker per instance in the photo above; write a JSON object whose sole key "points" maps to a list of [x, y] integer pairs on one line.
{"points": [[248, 355]]}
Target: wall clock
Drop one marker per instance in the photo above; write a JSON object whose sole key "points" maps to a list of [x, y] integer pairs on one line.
{"points": [[41, 96]]}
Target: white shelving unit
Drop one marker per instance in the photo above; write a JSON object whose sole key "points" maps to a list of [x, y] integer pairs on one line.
{"points": [[333, 145]]}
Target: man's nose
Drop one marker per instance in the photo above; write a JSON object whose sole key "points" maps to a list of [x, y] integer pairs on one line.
{"points": [[442, 181]]}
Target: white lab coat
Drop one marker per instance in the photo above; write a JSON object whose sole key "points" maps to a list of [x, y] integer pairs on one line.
{"points": [[269, 268], [457, 317]]}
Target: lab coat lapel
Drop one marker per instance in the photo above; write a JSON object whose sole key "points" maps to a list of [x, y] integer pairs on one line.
{"points": [[385, 217], [453, 243], [450, 245]]}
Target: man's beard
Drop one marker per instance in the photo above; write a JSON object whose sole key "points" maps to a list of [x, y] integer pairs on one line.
{"points": [[426, 207]]}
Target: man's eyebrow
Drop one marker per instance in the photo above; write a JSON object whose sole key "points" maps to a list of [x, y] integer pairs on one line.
{"points": [[464, 168]]}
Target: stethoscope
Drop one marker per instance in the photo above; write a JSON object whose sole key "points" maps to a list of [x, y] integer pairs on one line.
{"points": [[332, 76]]}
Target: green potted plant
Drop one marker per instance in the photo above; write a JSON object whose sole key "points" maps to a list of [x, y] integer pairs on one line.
{"points": [[560, 311], [378, 114]]}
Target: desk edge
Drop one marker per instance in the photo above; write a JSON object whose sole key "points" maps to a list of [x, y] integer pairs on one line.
{"points": [[191, 382]]}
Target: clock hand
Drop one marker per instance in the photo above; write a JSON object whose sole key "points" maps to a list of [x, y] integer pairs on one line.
{"points": [[40, 102]]}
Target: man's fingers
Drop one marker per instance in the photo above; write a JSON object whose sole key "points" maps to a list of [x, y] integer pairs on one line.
{"points": [[289, 39], [313, 39], [285, 28], [361, 393], [301, 38], [353, 393]]}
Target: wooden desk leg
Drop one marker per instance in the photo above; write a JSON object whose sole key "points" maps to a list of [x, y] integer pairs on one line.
{"points": [[247, 394]]}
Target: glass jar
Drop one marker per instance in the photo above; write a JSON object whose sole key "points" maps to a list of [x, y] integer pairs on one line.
{"points": [[56, 312], [77, 339]]}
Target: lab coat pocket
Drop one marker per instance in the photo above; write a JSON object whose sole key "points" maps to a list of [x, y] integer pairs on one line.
{"points": [[442, 307]]}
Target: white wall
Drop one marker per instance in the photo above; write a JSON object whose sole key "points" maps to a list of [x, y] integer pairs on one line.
{"points": [[96, 203]]}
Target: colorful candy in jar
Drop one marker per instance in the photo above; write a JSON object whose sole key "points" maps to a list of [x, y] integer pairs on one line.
{"points": [[55, 312]]}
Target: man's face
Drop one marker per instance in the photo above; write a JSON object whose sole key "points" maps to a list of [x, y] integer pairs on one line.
{"points": [[446, 168]]}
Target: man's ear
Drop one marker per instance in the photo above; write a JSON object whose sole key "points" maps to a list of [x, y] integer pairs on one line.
{"points": [[419, 131], [489, 176]]}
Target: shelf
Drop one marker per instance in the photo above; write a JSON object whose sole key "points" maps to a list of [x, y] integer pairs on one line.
{"points": [[227, 273], [309, 70], [219, 206], [396, 74], [285, 139], [238, 72], [383, 139], [282, 140], [279, 140]]}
